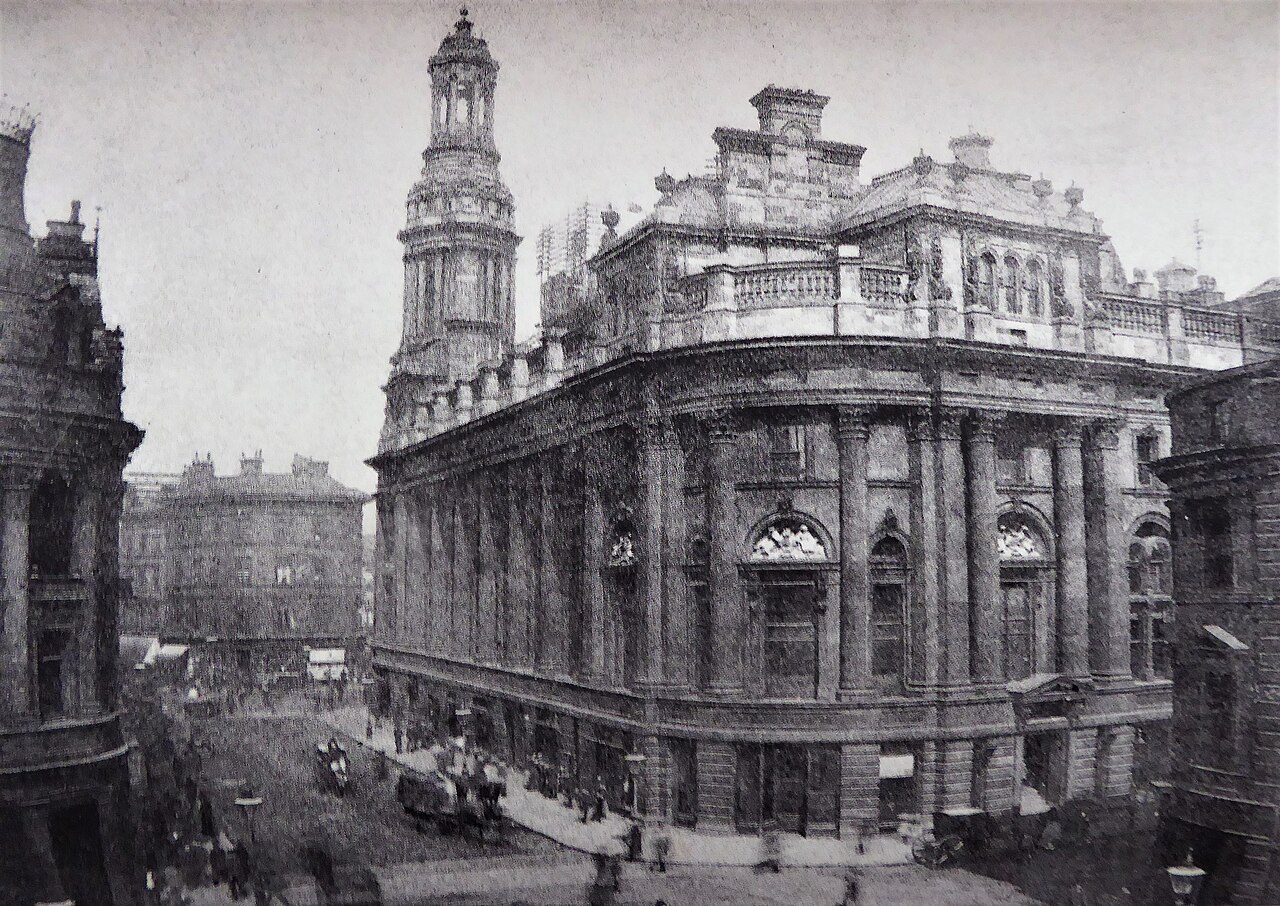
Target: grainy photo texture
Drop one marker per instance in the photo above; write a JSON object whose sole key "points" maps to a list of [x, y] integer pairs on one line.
{"points": [[785, 487]]}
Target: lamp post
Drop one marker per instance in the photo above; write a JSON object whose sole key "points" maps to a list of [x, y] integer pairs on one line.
{"points": [[1185, 879], [248, 803]]}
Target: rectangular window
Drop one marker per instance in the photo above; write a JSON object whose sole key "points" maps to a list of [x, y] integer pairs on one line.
{"points": [[244, 571], [1214, 524], [1220, 421], [1217, 742], [700, 602], [790, 640], [1137, 644], [789, 449], [52, 651], [1146, 455], [1018, 337], [887, 635], [197, 570], [284, 575], [1161, 647], [1018, 608]]}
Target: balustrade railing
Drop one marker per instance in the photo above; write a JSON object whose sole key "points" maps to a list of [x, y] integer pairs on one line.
{"points": [[1216, 327], [1135, 317], [882, 286], [771, 285]]}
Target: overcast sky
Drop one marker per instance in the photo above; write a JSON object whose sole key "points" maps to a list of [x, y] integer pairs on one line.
{"points": [[251, 160]]}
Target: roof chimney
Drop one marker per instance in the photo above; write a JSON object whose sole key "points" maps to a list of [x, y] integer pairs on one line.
{"points": [[781, 109], [972, 150]]}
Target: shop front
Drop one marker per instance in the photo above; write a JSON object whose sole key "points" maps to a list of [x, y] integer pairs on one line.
{"points": [[790, 788]]}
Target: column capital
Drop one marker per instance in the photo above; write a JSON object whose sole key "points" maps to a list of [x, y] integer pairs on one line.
{"points": [[950, 424], [919, 423], [656, 430], [1068, 432], [854, 421], [722, 426], [1104, 434], [984, 423], [19, 477]]}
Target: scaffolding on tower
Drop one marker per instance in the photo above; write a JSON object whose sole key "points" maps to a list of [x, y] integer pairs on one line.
{"points": [[564, 248]]}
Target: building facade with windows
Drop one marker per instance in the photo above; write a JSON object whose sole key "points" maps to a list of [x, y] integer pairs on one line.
{"points": [[144, 576], [260, 567], [65, 828], [835, 505], [1224, 481]]}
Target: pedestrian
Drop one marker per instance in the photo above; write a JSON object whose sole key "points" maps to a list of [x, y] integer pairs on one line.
{"points": [[399, 734], [770, 852], [368, 729], [239, 870], [600, 800], [206, 816], [615, 871], [852, 881], [662, 847], [635, 841]]}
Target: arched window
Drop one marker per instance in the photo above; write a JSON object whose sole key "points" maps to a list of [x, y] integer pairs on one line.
{"points": [[1025, 561], [1033, 283], [1012, 301], [52, 526], [888, 610], [1150, 601], [987, 280]]}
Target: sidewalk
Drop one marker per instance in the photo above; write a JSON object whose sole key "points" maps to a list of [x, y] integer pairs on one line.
{"points": [[688, 847]]}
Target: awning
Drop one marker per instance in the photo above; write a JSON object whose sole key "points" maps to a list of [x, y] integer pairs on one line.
{"points": [[171, 652], [895, 766], [1225, 638], [327, 656]]}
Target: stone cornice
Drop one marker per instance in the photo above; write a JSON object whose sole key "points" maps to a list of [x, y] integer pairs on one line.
{"points": [[875, 222]]}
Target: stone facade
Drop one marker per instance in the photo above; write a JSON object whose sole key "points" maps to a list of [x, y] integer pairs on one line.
{"points": [[836, 505], [1224, 478], [65, 829], [257, 566], [144, 570]]}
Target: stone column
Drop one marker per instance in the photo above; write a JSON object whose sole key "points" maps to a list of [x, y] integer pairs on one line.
{"points": [[859, 789], [679, 643], [1106, 552], [486, 576], [726, 604], [16, 567], [925, 610], [1072, 589], [518, 591], [401, 510], [84, 555], [651, 438], [554, 625], [984, 558], [853, 429], [953, 544], [593, 570]]}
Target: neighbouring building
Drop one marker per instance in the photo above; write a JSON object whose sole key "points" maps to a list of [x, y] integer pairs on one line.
{"points": [[261, 569], [837, 506], [65, 827], [143, 571], [1224, 482]]}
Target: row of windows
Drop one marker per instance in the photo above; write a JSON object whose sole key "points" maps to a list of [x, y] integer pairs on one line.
{"points": [[1017, 289], [285, 574]]}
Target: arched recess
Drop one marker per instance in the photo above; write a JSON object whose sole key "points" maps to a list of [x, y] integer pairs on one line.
{"points": [[1029, 619], [1150, 572], [787, 558], [889, 572]]}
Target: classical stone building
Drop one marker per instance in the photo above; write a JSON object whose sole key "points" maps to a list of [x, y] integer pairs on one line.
{"points": [[259, 567], [143, 569], [833, 503], [65, 831], [1224, 478]]}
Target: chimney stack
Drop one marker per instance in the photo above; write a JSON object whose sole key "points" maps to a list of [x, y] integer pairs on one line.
{"points": [[972, 150]]}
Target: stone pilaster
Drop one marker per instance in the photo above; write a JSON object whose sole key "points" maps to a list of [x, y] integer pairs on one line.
{"points": [[955, 773], [925, 607], [593, 549], [1106, 552], [554, 627], [852, 432], [726, 605], [680, 620], [998, 779], [650, 441], [1081, 748], [18, 485], [1115, 761], [984, 559], [486, 576], [519, 590], [84, 558], [953, 534], [400, 506], [1072, 577], [438, 589]]}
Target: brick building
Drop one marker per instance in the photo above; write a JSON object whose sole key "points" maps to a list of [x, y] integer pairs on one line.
{"points": [[259, 567], [1224, 479], [65, 829], [833, 503]]}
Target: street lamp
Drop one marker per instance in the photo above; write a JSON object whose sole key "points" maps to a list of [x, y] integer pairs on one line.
{"points": [[1185, 879], [248, 803]]}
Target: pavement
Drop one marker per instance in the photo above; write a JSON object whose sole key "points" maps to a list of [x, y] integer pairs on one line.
{"points": [[560, 823]]}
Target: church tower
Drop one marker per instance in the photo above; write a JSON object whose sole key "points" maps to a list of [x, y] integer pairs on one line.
{"points": [[459, 245]]}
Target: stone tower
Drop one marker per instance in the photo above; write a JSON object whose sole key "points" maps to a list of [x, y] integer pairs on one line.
{"points": [[459, 246]]}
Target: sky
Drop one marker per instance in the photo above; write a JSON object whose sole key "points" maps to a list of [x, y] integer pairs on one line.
{"points": [[249, 162]]}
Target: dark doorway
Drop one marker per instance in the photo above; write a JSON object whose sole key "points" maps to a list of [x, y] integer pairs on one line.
{"points": [[791, 788], [684, 764], [899, 793], [1044, 767], [77, 850]]}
